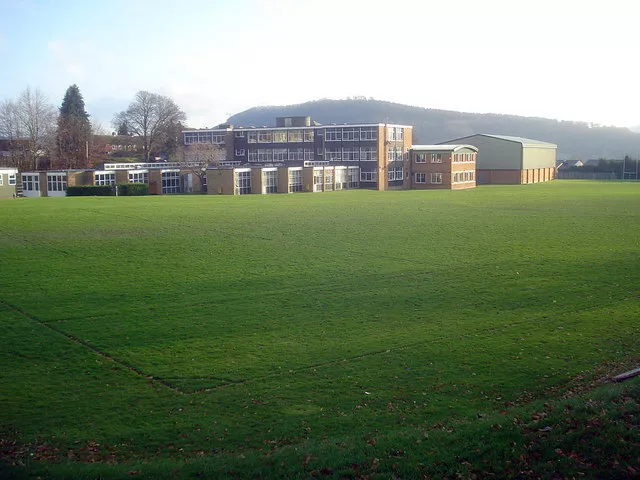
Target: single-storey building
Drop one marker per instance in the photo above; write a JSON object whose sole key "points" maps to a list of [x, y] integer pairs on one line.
{"points": [[504, 159], [8, 181]]}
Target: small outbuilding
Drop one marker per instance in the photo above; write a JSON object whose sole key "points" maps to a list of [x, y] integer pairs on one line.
{"points": [[504, 159], [8, 182]]}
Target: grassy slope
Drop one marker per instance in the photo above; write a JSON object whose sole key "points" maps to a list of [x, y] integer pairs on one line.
{"points": [[345, 325]]}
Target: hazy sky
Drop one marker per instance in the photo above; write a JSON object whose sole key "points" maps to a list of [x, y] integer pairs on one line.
{"points": [[564, 59]]}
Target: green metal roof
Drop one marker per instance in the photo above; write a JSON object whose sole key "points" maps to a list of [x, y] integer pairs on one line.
{"points": [[522, 140]]}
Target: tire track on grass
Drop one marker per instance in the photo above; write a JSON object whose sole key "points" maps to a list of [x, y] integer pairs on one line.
{"points": [[97, 351]]}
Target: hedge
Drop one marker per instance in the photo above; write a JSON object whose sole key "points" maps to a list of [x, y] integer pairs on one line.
{"points": [[133, 189], [90, 191]]}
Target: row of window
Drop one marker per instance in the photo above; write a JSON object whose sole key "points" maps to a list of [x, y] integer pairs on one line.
{"points": [[323, 180], [351, 154], [204, 137], [434, 157], [461, 177], [277, 136], [464, 157], [350, 134], [434, 178], [262, 155]]}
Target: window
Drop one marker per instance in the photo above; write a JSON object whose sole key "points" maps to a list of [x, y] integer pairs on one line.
{"points": [[105, 178], [351, 134], [239, 134], [308, 154], [171, 181], [295, 136], [242, 182], [295, 180], [318, 179], [333, 154], [341, 178], [395, 134], [1, 179], [265, 136], [279, 136], [12, 179], [368, 176], [436, 158], [253, 155], [351, 154], [436, 178], [296, 154], [138, 176], [394, 154], [280, 154], [368, 154], [368, 133], [30, 183], [218, 137], [421, 157], [265, 155], [308, 135], [421, 177], [56, 182], [395, 174], [353, 175], [239, 152], [328, 179], [252, 137], [333, 134], [270, 181]]}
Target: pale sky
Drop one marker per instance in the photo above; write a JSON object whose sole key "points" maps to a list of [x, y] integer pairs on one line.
{"points": [[563, 59]]}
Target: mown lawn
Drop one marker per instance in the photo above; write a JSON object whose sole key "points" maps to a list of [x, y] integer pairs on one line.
{"points": [[348, 334]]}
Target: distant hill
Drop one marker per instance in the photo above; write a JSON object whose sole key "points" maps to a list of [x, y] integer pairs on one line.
{"points": [[574, 139]]}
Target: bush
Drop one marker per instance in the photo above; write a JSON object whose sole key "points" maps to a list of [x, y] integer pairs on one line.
{"points": [[90, 191], [133, 189]]}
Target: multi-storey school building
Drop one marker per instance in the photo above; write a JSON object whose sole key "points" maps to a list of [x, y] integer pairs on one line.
{"points": [[299, 155]]}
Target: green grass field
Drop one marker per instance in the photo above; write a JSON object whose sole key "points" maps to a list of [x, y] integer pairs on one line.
{"points": [[353, 334]]}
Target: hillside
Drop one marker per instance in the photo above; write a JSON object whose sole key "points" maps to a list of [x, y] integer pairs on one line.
{"points": [[574, 139]]}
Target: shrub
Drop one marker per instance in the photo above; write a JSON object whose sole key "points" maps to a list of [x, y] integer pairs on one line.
{"points": [[133, 189], [90, 191]]}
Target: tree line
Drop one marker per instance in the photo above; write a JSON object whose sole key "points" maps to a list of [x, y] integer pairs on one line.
{"points": [[34, 135]]}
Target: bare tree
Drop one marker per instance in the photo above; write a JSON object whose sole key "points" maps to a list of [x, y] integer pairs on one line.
{"points": [[11, 135], [198, 157], [151, 117], [36, 124]]}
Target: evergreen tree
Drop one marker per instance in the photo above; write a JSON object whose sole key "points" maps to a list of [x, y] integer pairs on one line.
{"points": [[74, 130]]}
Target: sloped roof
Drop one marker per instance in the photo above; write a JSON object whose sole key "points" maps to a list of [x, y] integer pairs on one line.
{"points": [[525, 142], [445, 147], [522, 140]]}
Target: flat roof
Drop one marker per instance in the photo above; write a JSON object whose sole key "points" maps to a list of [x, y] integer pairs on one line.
{"points": [[445, 148], [311, 127]]}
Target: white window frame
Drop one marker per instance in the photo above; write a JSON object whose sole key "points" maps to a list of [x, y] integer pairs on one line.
{"points": [[239, 134], [12, 179], [420, 177], [30, 182], [269, 180], [435, 178], [296, 182], [353, 177], [240, 152], [368, 154], [436, 158], [138, 176], [170, 181], [421, 157], [106, 177], [368, 177], [368, 133], [242, 181], [56, 182], [333, 134]]}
